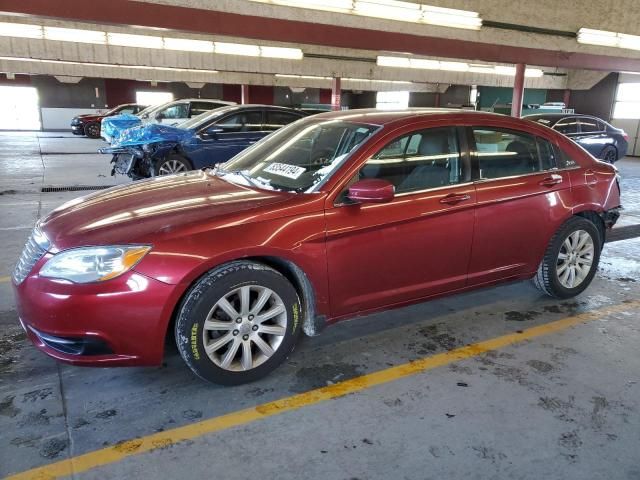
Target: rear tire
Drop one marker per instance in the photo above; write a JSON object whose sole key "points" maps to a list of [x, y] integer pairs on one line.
{"points": [[172, 164], [571, 259], [92, 130], [609, 155], [238, 323]]}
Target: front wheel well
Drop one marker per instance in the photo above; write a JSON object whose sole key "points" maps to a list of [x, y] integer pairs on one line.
{"points": [[312, 323]]}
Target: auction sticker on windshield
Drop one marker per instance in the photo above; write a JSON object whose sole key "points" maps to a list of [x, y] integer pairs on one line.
{"points": [[285, 170]]}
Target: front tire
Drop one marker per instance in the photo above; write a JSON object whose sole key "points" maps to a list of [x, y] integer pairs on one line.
{"points": [[571, 259], [172, 164], [238, 323], [92, 130]]}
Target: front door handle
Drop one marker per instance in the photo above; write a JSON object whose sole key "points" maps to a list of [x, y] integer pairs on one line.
{"points": [[454, 198], [551, 180]]}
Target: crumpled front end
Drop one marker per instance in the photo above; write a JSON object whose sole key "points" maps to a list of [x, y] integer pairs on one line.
{"points": [[113, 126]]}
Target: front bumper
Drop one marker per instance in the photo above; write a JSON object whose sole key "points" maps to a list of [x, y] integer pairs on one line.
{"points": [[77, 129], [120, 322]]}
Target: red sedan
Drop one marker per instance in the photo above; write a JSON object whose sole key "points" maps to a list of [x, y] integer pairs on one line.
{"points": [[333, 216]]}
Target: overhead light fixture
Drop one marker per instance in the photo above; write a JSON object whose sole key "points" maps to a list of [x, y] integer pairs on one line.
{"points": [[108, 65], [139, 41], [75, 35], [608, 39], [449, 66], [306, 77], [390, 9], [450, 17], [20, 30], [237, 49], [281, 52], [188, 45], [393, 10], [397, 82]]}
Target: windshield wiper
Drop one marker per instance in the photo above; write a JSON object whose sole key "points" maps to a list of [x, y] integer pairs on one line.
{"points": [[252, 181]]}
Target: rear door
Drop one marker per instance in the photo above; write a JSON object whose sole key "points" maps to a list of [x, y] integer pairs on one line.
{"points": [[592, 136], [414, 246], [520, 202]]}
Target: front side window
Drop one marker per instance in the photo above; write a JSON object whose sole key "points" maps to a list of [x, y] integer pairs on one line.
{"points": [[504, 153], [567, 126], [277, 119], [241, 122], [418, 161], [175, 111]]}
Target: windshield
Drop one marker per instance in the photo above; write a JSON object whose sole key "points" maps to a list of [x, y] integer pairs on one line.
{"points": [[298, 157], [148, 109], [198, 120]]}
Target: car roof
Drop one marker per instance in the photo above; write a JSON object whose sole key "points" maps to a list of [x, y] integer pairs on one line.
{"points": [[382, 117]]}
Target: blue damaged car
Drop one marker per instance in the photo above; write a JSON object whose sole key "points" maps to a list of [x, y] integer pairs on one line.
{"points": [[203, 141]]}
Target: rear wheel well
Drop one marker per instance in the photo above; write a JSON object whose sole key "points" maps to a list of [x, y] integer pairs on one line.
{"points": [[597, 220]]}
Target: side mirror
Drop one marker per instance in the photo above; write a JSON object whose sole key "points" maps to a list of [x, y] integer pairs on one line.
{"points": [[211, 132], [371, 190]]}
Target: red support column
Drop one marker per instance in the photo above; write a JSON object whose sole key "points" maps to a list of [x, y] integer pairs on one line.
{"points": [[244, 94], [518, 91], [335, 94], [566, 97]]}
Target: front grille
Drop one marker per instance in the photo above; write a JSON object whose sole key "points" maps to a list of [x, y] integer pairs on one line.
{"points": [[33, 251]]}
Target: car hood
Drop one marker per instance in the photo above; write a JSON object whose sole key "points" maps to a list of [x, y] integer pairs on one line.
{"points": [[88, 116], [150, 133], [114, 125], [151, 210]]}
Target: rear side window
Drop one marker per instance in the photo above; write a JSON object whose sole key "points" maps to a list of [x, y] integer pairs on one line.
{"points": [[567, 126], [564, 160], [418, 161], [590, 125], [504, 153]]}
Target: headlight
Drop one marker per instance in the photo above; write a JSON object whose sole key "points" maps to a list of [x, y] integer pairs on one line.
{"points": [[93, 264]]}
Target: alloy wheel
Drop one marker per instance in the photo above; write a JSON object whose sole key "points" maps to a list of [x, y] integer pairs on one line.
{"points": [[245, 328], [172, 166], [93, 130], [575, 259]]}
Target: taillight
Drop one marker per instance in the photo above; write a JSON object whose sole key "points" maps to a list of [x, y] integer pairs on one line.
{"points": [[626, 137]]}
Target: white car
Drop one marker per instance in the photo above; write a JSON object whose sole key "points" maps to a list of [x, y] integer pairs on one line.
{"points": [[171, 113], [178, 111]]}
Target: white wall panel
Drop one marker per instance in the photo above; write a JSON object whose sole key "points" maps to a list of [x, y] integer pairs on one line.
{"points": [[60, 118]]}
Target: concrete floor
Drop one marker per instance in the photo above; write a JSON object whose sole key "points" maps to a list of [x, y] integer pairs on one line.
{"points": [[562, 406]]}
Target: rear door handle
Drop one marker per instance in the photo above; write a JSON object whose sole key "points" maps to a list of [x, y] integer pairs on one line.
{"points": [[551, 181], [454, 198]]}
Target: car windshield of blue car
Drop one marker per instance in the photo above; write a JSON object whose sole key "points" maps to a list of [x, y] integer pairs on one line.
{"points": [[299, 157]]}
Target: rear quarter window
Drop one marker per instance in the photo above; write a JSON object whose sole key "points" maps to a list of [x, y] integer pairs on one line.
{"points": [[563, 159]]}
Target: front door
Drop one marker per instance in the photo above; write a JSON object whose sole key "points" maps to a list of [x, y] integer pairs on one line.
{"points": [[414, 246], [520, 202], [225, 138]]}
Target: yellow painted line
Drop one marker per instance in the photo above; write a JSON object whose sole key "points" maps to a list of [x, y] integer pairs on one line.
{"points": [[120, 451], [5, 279]]}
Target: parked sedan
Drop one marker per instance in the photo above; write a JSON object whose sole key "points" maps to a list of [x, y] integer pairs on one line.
{"points": [[336, 215], [171, 113], [210, 138], [600, 139], [90, 124]]}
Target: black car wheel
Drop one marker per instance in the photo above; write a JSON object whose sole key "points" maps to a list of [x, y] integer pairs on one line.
{"points": [[173, 164], [238, 323], [92, 130], [609, 154]]}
